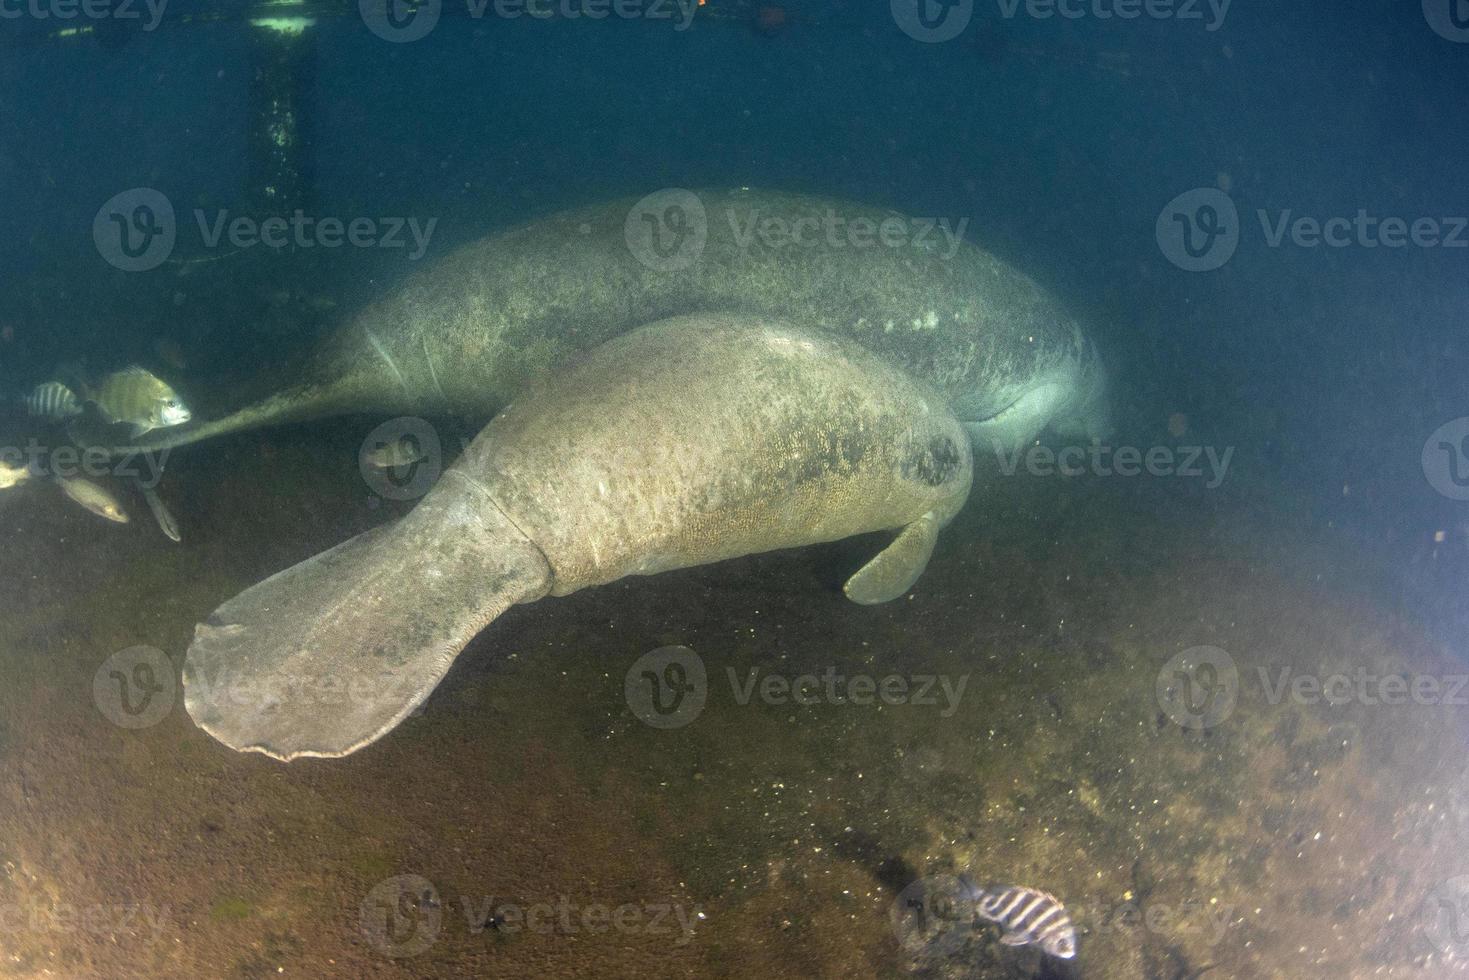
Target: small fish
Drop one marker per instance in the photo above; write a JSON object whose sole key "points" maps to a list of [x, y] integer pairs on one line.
{"points": [[12, 475], [161, 513], [405, 450], [93, 498], [137, 397], [52, 400], [1025, 915]]}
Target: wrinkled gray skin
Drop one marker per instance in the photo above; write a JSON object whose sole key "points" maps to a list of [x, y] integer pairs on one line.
{"points": [[686, 442], [468, 334]]}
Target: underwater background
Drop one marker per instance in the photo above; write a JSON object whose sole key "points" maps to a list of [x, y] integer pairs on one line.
{"points": [[1301, 836]]}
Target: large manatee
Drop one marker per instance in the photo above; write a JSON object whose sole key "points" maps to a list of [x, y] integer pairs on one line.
{"points": [[688, 441], [466, 335]]}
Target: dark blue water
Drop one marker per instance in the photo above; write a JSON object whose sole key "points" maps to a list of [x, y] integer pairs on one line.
{"points": [[1060, 141]]}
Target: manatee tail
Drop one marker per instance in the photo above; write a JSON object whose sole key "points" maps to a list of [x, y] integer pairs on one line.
{"points": [[331, 654], [290, 405]]}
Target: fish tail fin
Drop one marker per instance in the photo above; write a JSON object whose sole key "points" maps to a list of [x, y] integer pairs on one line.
{"points": [[331, 654]]}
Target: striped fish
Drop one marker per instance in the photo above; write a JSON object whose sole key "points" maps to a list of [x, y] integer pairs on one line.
{"points": [[52, 400], [1025, 915]]}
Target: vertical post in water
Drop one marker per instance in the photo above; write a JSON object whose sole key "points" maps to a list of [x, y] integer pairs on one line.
{"points": [[283, 70]]}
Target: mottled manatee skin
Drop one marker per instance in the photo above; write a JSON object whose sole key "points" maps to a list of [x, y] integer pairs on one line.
{"points": [[682, 443], [774, 438], [469, 333]]}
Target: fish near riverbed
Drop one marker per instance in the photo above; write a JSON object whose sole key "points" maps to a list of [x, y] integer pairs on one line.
{"points": [[685, 442], [93, 498]]}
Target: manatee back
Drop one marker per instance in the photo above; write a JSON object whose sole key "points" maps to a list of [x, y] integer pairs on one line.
{"points": [[713, 436], [473, 330]]}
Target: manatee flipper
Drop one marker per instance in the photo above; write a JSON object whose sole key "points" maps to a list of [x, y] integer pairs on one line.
{"points": [[894, 570], [329, 655]]}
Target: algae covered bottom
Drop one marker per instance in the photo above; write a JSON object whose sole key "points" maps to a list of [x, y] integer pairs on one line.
{"points": [[1037, 712]]}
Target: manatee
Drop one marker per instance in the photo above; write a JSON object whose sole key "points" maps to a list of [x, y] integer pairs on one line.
{"points": [[466, 335], [688, 441]]}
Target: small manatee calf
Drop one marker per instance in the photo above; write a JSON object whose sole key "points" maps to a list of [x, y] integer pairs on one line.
{"points": [[684, 442]]}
